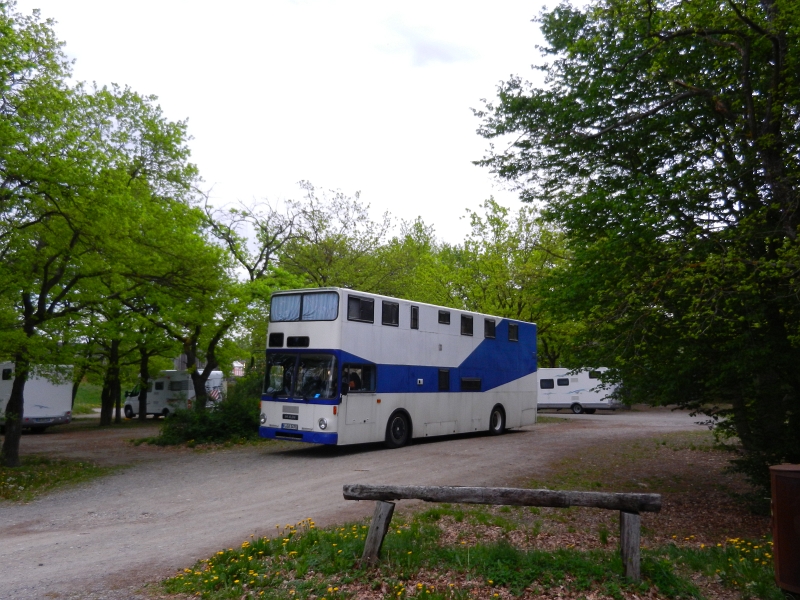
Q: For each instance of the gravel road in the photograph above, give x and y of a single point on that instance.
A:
(109, 538)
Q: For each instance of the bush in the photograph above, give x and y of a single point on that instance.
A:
(235, 418)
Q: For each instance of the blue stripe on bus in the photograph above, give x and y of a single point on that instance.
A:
(495, 361)
(311, 437)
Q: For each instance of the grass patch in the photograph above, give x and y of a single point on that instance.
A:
(302, 561)
(39, 475)
(87, 399)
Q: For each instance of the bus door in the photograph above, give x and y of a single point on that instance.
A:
(360, 403)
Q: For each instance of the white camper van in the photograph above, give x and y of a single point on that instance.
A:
(46, 403)
(579, 392)
(171, 391)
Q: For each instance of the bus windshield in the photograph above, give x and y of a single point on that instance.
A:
(301, 375)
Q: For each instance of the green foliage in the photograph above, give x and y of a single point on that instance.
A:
(666, 145)
(234, 419)
(38, 475)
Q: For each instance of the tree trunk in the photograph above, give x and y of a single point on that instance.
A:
(76, 383)
(111, 386)
(15, 412)
(144, 378)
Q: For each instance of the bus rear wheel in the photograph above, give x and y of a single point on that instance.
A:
(398, 430)
(497, 421)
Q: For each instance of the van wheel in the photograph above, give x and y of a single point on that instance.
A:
(497, 421)
(165, 412)
(577, 409)
(589, 411)
(128, 411)
(398, 430)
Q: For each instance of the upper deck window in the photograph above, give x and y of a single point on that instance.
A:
(466, 325)
(415, 317)
(360, 309)
(310, 306)
(391, 313)
(513, 332)
(444, 317)
(489, 328)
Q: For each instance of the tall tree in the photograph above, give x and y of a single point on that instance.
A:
(77, 166)
(504, 267)
(666, 143)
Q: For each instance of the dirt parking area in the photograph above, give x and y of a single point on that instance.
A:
(170, 507)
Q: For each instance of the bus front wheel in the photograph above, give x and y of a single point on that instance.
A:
(497, 421)
(398, 430)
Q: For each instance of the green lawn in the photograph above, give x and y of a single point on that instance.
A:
(87, 398)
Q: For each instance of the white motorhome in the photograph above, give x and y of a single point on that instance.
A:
(46, 403)
(580, 392)
(173, 390)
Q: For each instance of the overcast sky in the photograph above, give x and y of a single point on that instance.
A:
(357, 96)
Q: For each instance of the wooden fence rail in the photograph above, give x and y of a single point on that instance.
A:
(629, 505)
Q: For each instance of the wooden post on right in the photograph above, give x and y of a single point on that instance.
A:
(381, 519)
(629, 528)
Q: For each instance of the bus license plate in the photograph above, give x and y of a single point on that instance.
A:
(289, 425)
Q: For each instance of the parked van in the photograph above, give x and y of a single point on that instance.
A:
(46, 403)
(579, 392)
(173, 390)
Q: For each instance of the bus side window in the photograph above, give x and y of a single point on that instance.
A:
(390, 313)
(360, 377)
(415, 317)
(489, 327)
(466, 325)
(513, 332)
(360, 309)
(444, 380)
(444, 317)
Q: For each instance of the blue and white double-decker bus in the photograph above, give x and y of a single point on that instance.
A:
(348, 367)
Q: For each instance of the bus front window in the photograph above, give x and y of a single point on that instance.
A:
(316, 376)
(280, 374)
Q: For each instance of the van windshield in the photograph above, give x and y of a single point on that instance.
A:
(304, 376)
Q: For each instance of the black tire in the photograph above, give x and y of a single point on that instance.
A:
(165, 412)
(497, 421)
(577, 409)
(128, 412)
(398, 430)
(590, 411)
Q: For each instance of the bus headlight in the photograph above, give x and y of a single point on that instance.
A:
(323, 423)
(263, 418)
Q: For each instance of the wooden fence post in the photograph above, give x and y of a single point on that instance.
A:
(629, 528)
(381, 519)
